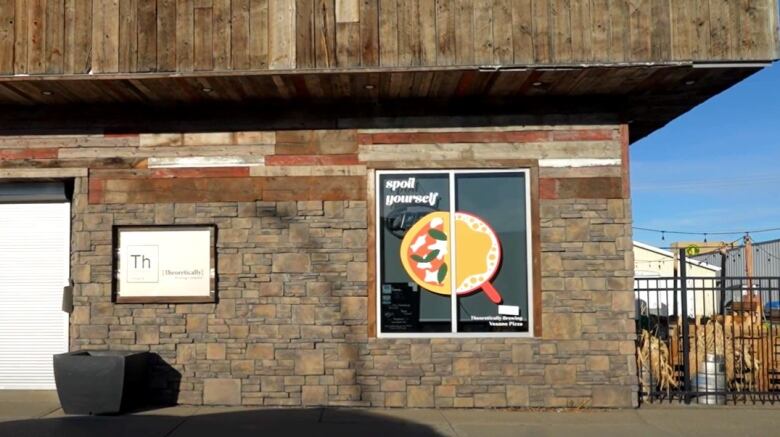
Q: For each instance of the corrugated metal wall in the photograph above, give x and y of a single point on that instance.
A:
(766, 259)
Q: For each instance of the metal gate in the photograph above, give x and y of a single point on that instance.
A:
(712, 340)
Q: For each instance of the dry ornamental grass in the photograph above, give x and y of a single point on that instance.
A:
(742, 366)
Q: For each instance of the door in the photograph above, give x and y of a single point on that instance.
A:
(34, 267)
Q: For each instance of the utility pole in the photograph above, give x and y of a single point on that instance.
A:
(723, 256)
(755, 301)
(749, 262)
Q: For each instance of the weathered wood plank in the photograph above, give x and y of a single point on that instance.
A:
(7, 16)
(502, 32)
(408, 33)
(661, 37)
(497, 150)
(98, 12)
(110, 52)
(147, 35)
(369, 33)
(735, 34)
(55, 36)
(36, 57)
(599, 18)
(541, 31)
(681, 32)
(561, 37)
(464, 38)
(758, 24)
(325, 33)
(347, 11)
(128, 35)
(258, 29)
(203, 52)
(166, 35)
(618, 26)
(427, 11)
(445, 32)
(483, 32)
(21, 19)
(581, 31)
(239, 34)
(304, 34)
(639, 29)
(719, 26)
(701, 29)
(388, 33)
(347, 44)
(221, 34)
(522, 32)
(347, 33)
(281, 40)
(184, 35)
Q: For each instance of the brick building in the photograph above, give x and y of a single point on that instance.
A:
(404, 204)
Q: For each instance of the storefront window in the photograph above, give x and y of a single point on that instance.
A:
(483, 254)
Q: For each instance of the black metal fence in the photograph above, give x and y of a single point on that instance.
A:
(708, 340)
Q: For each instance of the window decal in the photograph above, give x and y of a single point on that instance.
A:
(483, 254)
(426, 259)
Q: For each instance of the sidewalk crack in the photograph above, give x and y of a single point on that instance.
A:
(181, 422)
(449, 423)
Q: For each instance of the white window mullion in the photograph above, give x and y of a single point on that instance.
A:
(453, 257)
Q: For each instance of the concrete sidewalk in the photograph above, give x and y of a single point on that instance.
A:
(38, 414)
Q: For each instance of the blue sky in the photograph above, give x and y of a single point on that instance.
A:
(716, 168)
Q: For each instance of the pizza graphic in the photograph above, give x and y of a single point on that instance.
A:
(426, 254)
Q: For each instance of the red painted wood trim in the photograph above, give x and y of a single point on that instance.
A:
(526, 136)
(37, 153)
(95, 190)
(584, 135)
(199, 172)
(364, 139)
(283, 188)
(461, 137)
(311, 160)
(625, 160)
(548, 188)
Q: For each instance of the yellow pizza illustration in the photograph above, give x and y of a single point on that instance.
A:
(426, 254)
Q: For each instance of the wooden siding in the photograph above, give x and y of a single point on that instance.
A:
(57, 37)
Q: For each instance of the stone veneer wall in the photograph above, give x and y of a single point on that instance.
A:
(291, 324)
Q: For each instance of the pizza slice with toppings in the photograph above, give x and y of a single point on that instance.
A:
(425, 252)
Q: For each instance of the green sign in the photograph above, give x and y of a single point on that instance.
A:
(692, 250)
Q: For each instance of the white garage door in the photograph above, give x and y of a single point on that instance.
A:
(34, 260)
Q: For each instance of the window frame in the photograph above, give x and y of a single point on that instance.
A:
(451, 173)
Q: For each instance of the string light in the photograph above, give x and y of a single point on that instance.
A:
(769, 255)
(663, 232)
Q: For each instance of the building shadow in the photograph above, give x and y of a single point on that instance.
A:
(164, 384)
(261, 422)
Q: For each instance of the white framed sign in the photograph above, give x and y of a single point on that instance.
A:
(164, 264)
